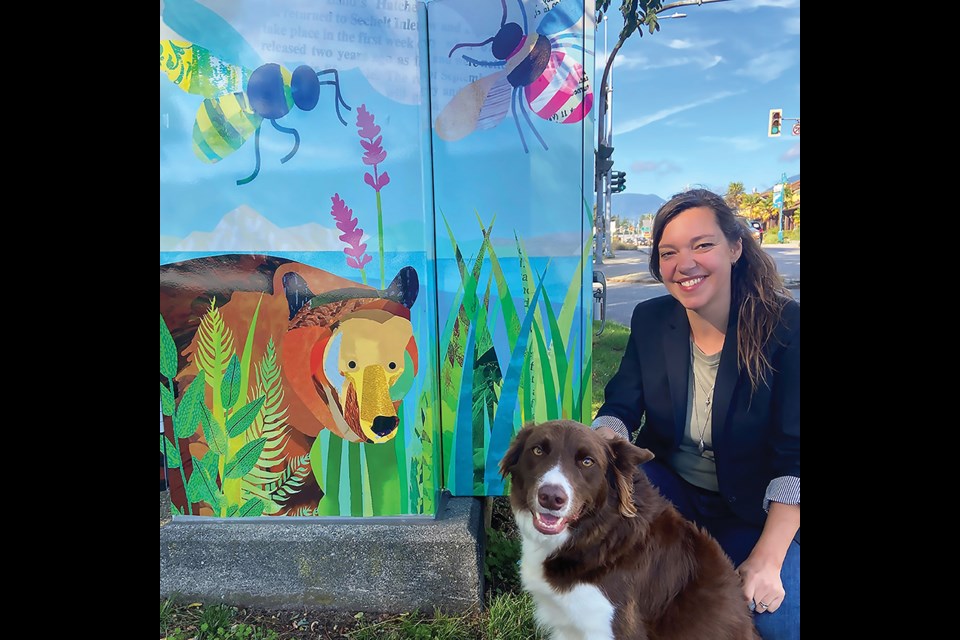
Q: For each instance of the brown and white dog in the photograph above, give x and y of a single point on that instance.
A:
(604, 554)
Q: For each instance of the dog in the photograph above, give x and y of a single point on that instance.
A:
(603, 554)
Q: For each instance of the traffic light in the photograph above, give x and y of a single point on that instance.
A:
(604, 160)
(618, 181)
(773, 129)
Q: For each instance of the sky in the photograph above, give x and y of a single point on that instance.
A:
(691, 102)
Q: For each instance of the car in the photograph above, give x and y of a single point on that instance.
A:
(754, 227)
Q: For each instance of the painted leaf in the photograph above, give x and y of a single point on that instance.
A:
(171, 452)
(213, 432)
(201, 487)
(168, 352)
(243, 417)
(232, 510)
(210, 468)
(188, 413)
(167, 403)
(245, 459)
(174, 510)
(251, 508)
(230, 387)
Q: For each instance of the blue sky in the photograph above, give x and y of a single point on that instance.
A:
(691, 101)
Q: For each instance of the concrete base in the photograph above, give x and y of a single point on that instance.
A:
(347, 564)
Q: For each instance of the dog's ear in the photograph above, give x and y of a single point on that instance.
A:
(512, 456)
(626, 458)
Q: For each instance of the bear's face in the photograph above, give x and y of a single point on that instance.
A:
(371, 357)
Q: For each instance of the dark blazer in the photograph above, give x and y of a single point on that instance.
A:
(756, 437)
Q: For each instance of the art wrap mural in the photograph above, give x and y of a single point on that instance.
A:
(361, 303)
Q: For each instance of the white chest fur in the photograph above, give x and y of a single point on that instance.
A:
(582, 613)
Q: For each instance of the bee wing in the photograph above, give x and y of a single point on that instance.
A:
(222, 125)
(199, 71)
(563, 16)
(482, 104)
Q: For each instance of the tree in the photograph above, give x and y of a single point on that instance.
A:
(734, 195)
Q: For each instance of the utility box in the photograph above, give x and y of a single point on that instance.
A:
(375, 248)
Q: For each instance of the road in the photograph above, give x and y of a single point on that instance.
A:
(637, 285)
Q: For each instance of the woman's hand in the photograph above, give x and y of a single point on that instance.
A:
(760, 572)
(608, 433)
(761, 583)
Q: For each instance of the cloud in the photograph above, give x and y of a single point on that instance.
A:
(642, 63)
(791, 154)
(654, 166)
(769, 66)
(750, 5)
(636, 123)
(792, 26)
(737, 143)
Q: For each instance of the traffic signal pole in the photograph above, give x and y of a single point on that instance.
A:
(602, 177)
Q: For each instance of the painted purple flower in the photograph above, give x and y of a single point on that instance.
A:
(373, 153)
(356, 251)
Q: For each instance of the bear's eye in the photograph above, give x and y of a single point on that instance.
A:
(587, 462)
(352, 364)
(392, 365)
(537, 451)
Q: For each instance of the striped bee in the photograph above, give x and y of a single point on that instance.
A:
(238, 100)
(534, 74)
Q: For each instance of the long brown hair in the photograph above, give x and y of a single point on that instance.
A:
(757, 289)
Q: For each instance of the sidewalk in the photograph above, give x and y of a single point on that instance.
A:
(631, 265)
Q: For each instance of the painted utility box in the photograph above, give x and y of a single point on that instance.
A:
(375, 240)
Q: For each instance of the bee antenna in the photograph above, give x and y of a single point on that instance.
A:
(471, 44)
(503, 20)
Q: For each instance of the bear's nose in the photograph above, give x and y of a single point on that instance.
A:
(552, 496)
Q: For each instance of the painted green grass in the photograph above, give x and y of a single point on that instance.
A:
(487, 395)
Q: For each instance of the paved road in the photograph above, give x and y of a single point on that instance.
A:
(629, 280)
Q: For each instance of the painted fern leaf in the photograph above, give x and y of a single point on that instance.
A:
(215, 345)
(291, 479)
(270, 422)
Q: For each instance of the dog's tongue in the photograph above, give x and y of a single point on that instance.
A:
(549, 524)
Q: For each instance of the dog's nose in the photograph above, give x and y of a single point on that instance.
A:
(552, 496)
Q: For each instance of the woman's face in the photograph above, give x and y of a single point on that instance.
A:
(696, 260)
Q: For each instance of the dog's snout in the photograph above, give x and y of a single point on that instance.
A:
(552, 496)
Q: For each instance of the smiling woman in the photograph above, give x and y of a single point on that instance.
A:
(712, 373)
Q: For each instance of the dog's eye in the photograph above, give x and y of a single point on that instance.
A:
(587, 462)
(537, 451)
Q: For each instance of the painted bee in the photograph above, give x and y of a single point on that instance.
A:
(552, 82)
(237, 100)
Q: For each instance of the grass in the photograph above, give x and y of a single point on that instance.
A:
(508, 614)
(608, 350)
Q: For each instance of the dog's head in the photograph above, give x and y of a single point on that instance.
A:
(561, 470)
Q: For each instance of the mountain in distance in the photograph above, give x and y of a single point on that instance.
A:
(634, 205)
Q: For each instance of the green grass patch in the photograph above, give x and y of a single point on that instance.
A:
(608, 350)
(414, 626)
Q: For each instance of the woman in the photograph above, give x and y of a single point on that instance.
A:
(712, 374)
